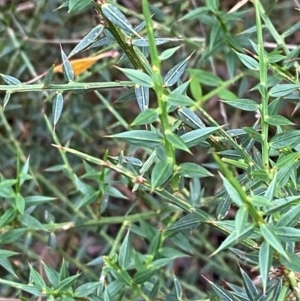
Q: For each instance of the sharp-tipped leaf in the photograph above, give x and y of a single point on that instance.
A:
(146, 117)
(175, 73)
(190, 118)
(271, 238)
(78, 4)
(139, 137)
(115, 16)
(195, 137)
(193, 170)
(87, 40)
(142, 97)
(66, 67)
(243, 104)
(285, 139)
(10, 80)
(138, 77)
(57, 108)
(248, 61)
(281, 90)
(161, 172)
(265, 259)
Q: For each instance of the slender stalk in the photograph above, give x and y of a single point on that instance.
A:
(64, 87)
(263, 70)
(158, 87)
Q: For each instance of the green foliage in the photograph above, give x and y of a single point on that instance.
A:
(139, 189)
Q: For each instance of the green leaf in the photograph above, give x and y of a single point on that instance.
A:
(161, 172)
(181, 241)
(275, 57)
(288, 234)
(223, 207)
(271, 238)
(292, 263)
(193, 170)
(195, 137)
(241, 219)
(179, 100)
(234, 195)
(278, 120)
(178, 289)
(141, 277)
(248, 61)
(168, 53)
(171, 253)
(88, 199)
(57, 107)
(139, 137)
(48, 76)
(125, 253)
(205, 78)
(7, 217)
(86, 289)
(126, 159)
(146, 117)
(36, 278)
(7, 253)
(223, 294)
(78, 4)
(88, 39)
(31, 222)
(67, 283)
(250, 288)
(142, 97)
(5, 263)
(253, 134)
(10, 80)
(176, 141)
(213, 5)
(159, 263)
(281, 90)
(195, 88)
(52, 275)
(127, 95)
(115, 16)
(138, 77)
(175, 73)
(32, 289)
(190, 118)
(154, 291)
(265, 256)
(12, 235)
(144, 42)
(243, 104)
(104, 41)
(281, 203)
(155, 244)
(270, 192)
(289, 218)
(6, 99)
(285, 139)
(66, 67)
(20, 203)
(289, 159)
(186, 223)
(235, 237)
(35, 200)
(195, 13)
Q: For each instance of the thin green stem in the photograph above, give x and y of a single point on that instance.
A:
(72, 86)
(159, 89)
(263, 77)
